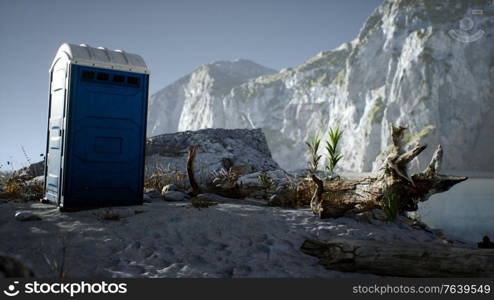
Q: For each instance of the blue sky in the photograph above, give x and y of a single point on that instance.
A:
(174, 37)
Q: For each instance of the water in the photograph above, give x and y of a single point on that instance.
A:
(466, 211)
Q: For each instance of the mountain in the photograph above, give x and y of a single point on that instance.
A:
(175, 107)
(406, 66)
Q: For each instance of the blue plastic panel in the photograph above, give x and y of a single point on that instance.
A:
(104, 159)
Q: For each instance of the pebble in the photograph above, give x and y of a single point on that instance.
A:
(26, 216)
(175, 196)
(169, 188)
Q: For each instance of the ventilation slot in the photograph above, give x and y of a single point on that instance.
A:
(133, 81)
(118, 78)
(103, 76)
(87, 75)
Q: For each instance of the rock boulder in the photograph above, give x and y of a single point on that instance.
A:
(245, 150)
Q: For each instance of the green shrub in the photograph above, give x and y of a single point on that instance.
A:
(313, 144)
(334, 156)
(267, 182)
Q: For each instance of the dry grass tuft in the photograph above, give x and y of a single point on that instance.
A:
(161, 177)
(16, 188)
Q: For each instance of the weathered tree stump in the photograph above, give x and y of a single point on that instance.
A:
(338, 198)
(402, 258)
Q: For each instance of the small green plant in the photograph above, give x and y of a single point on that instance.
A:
(313, 144)
(268, 182)
(265, 179)
(390, 204)
(334, 137)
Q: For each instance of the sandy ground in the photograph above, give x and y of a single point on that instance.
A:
(163, 239)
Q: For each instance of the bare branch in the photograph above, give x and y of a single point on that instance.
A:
(190, 171)
(435, 164)
(407, 157)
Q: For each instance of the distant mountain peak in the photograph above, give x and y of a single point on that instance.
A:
(239, 68)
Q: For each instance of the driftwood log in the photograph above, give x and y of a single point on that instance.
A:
(402, 259)
(333, 199)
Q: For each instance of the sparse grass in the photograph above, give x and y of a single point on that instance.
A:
(224, 176)
(18, 184)
(165, 176)
(313, 144)
(16, 188)
(266, 179)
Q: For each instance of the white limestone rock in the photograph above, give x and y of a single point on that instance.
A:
(217, 149)
(24, 216)
(404, 68)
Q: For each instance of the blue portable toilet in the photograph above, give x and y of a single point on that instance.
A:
(96, 127)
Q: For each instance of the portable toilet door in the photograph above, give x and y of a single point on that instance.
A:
(96, 127)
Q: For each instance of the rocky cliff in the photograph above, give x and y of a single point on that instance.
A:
(406, 66)
(193, 101)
